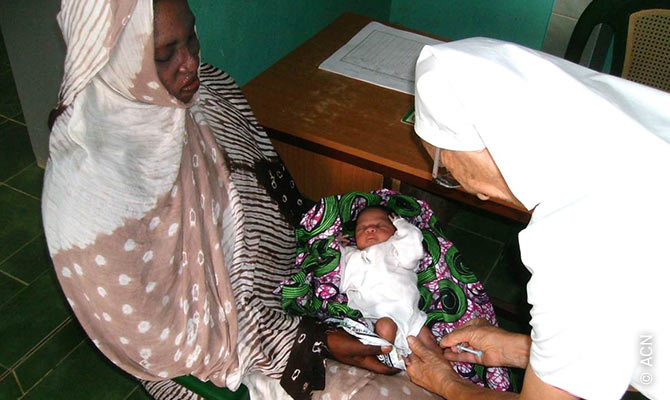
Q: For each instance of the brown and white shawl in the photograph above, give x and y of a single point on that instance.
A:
(164, 242)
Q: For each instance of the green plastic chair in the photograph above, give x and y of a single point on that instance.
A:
(641, 29)
(210, 391)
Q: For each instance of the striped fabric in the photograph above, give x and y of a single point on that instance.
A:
(168, 390)
(265, 331)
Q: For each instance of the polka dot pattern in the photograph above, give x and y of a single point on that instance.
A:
(143, 326)
(129, 245)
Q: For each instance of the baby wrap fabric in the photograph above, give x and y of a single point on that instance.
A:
(450, 292)
(150, 209)
(380, 281)
(590, 153)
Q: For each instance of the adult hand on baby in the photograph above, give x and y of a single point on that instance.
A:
(499, 347)
(347, 349)
(428, 368)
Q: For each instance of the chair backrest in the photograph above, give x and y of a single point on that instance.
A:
(641, 31)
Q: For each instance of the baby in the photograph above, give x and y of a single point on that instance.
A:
(379, 277)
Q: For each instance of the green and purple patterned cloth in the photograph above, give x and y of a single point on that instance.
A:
(450, 292)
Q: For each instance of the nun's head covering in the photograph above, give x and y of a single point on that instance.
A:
(552, 127)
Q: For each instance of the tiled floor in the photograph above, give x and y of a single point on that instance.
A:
(44, 354)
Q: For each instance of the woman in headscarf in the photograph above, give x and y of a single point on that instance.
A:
(151, 226)
(169, 216)
(589, 153)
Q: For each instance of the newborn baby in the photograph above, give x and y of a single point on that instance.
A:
(379, 276)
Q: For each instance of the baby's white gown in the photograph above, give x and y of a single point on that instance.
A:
(380, 281)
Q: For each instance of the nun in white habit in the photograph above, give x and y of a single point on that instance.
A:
(589, 154)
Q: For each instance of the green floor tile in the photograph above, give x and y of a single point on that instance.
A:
(139, 394)
(28, 181)
(9, 389)
(20, 220)
(18, 117)
(485, 224)
(85, 374)
(9, 287)
(30, 316)
(479, 253)
(29, 262)
(49, 354)
(17, 153)
(9, 98)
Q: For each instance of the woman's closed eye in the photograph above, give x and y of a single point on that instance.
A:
(163, 58)
(165, 53)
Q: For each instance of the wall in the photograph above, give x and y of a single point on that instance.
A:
(36, 52)
(521, 21)
(246, 37)
(562, 22)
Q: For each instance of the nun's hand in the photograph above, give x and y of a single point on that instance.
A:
(428, 368)
(499, 347)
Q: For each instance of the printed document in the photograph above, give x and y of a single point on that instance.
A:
(380, 55)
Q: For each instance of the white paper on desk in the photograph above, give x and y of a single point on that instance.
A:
(380, 55)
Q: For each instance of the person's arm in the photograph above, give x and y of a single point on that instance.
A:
(430, 370)
(348, 350)
(305, 368)
(535, 388)
(499, 347)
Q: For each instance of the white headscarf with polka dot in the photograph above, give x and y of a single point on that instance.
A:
(137, 204)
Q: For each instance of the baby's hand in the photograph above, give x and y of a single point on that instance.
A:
(343, 240)
(394, 217)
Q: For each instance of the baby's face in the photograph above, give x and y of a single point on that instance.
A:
(373, 226)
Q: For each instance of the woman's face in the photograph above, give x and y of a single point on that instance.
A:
(176, 48)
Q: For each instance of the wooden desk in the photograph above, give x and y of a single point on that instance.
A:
(338, 134)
